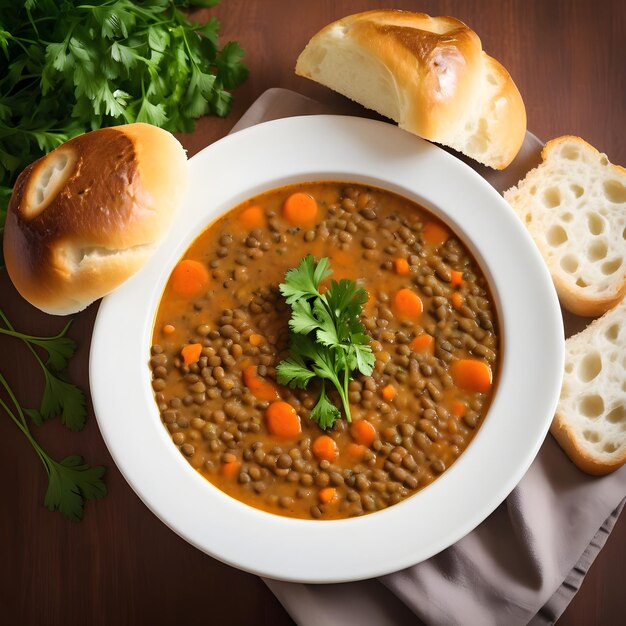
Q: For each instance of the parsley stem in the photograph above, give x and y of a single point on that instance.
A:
(21, 421)
(11, 332)
(40, 453)
(344, 395)
(10, 327)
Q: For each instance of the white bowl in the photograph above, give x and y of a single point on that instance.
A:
(352, 150)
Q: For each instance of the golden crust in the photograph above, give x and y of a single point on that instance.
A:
(590, 307)
(567, 439)
(555, 143)
(509, 129)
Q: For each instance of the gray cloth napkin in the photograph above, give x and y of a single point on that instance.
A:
(525, 562)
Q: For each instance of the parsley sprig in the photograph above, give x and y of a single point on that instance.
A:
(70, 481)
(59, 397)
(328, 340)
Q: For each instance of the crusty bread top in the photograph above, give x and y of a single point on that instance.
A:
(590, 422)
(574, 206)
(85, 217)
(427, 73)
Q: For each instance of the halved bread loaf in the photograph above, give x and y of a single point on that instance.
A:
(574, 206)
(590, 422)
(429, 74)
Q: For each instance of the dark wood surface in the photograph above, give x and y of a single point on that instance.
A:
(121, 565)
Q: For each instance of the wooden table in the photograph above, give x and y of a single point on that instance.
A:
(121, 565)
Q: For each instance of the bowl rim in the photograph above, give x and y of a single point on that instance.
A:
(346, 149)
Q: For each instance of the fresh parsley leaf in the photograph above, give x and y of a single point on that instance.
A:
(345, 297)
(365, 358)
(151, 113)
(60, 397)
(328, 340)
(294, 373)
(302, 319)
(325, 412)
(65, 399)
(60, 350)
(327, 334)
(229, 63)
(70, 483)
(303, 281)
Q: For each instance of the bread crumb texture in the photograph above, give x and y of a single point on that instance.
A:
(590, 422)
(574, 206)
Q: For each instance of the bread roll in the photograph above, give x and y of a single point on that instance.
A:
(590, 421)
(574, 206)
(429, 74)
(88, 215)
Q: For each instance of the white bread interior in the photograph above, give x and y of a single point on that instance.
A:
(429, 74)
(590, 422)
(48, 180)
(574, 206)
(87, 216)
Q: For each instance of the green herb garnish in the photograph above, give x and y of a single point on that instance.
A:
(328, 340)
(59, 397)
(70, 66)
(70, 481)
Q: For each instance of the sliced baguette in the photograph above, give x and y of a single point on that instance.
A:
(574, 206)
(590, 421)
(429, 74)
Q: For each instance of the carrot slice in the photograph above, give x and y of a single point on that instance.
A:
(282, 420)
(402, 267)
(363, 432)
(471, 375)
(328, 494)
(407, 303)
(324, 448)
(230, 469)
(423, 343)
(457, 300)
(252, 217)
(189, 278)
(255, 340)
(191, 353)
(458, 409)
(434, 234)
(389, 392)
(456, 279)
(300, 209)
(355, 451)
(261, 388)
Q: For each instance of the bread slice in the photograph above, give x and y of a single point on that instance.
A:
(574, 206)
(429, 74)
(590, 421)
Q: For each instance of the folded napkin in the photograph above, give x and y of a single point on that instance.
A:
(524, 563)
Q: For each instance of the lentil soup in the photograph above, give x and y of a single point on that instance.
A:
(222, 328)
